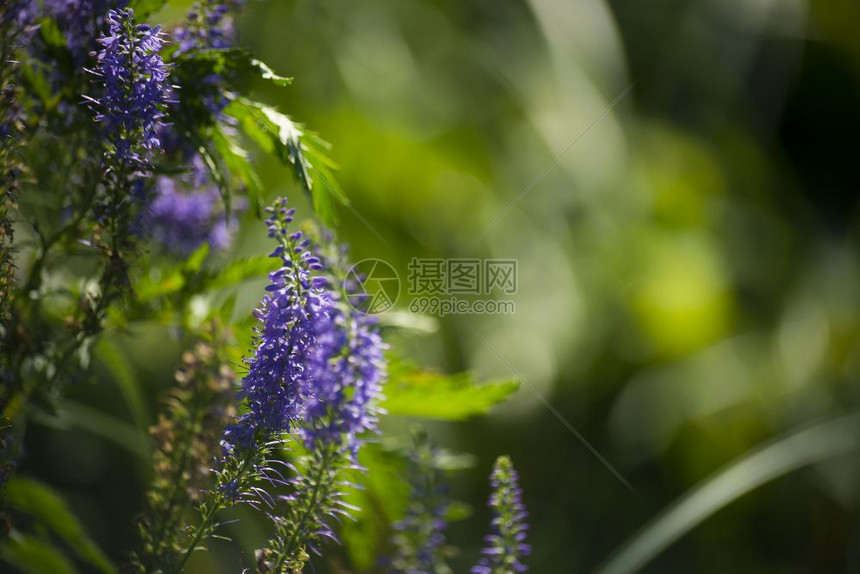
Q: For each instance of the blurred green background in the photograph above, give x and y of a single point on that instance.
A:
(678, 182)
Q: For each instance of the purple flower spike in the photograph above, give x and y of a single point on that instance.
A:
(135, 90)
(506, 545)
(348, 369)
(293, 313)
(80, 22)
(209, 26)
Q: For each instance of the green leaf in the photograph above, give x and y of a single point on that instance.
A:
(235, 162)
(228, 62)
(416, 393)
(36, 81)
(274, 132)
(44, 504)
(381, 500)
(458, 511)
(51, 33)
(152, 287)
(268, 74)
(324, 184)
(143, 8)
(226, 309)
(239, 270)
(776, 458)
(216, 164)
(34, 556)
(123, 375)
(195, 261)
(106, 426)
(149, 288)
(305, 153)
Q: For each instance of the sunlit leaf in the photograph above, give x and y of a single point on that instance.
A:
(229, 62)
(413, 392)
(304, 152)
(51, 33)
(234, 162)
(268, 74)
(149, 288)
(195, 260)
(239, 270)
(181, 276)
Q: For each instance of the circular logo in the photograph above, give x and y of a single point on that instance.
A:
(371, 286)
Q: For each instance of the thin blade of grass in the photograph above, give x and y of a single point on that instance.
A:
(774, 459)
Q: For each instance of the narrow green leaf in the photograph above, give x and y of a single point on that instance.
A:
(123, 375)
(45, 505)
(237, 164)
(324, 184)
(227, 308)
(51, 34)
(35, 80)
(34, 556)
(416, 393)
(195, 260)
(216, 164)
(106, 426)
(768, 462)
(182, 276)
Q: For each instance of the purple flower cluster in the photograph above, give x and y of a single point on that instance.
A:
(292, 314)
(506, 545)
(348, 368)
(18, 15)
(345, 369)
(186, 212)
(317, 364)
(316, 358)
(209, 26)
(80, 21)
(134, 78)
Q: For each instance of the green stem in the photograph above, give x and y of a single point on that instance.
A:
(293, 544)
(205, 524)
(217, 504)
